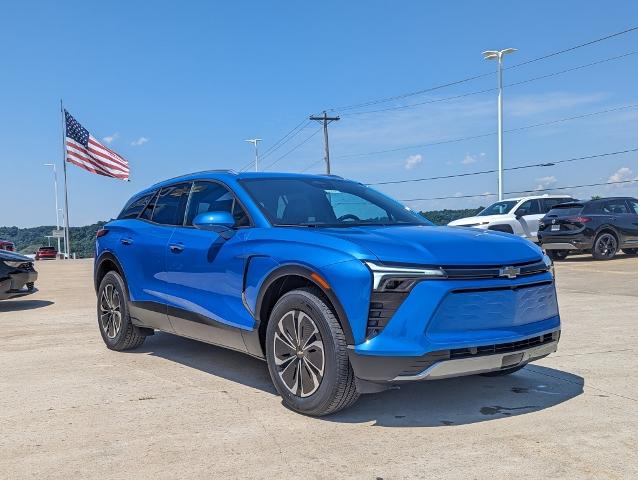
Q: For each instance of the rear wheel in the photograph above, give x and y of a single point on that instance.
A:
(113, 317)
(605, 246)
(307, 356)
(557, 254)
(630, 251)
(500, 373)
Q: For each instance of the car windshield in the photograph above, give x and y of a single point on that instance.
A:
(326, 202)
(498, 208)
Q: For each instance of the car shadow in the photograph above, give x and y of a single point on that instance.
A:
(457, 401)
(18, 305)
(221, 362)
(465, 400)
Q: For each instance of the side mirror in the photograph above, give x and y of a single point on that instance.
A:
(521, 212)
(218, 222)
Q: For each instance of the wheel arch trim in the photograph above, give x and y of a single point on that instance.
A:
(307, 273)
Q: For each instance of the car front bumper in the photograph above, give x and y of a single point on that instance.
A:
(18, 284)
(454, 362)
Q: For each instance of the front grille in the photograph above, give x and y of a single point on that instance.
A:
(504, 347)
(467, 273)
(28, 266)
(382, 307)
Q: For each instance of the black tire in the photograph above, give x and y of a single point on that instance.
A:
(112, 298)
(630, 251)
(605, 246)
(557, 254)
(312, 390)
(500, 373)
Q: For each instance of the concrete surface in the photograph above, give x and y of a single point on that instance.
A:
(175, 408)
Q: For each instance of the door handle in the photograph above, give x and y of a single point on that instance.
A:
(176, 247)
(126, 241)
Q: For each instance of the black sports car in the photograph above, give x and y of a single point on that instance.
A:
(600, 227)
(17, 275)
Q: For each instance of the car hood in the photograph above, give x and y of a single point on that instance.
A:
(13, 257)
(429, 245)
(476, 220)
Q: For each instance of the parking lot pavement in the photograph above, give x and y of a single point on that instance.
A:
(175, 408)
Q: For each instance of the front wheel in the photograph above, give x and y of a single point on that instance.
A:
(113, 317)
(307, 356)
(557, 254)
(605, 246)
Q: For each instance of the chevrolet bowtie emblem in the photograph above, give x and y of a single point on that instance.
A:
(509, 272)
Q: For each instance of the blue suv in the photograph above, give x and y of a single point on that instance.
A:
(340, 289)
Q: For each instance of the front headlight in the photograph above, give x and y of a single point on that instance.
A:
(16, 264)
(549, 263)
(397, 278)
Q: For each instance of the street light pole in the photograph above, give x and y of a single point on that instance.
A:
(57, 210)
(498, 55)
(255, 141)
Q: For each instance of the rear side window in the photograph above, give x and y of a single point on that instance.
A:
(214, 197)
(634, 205)
(171, 204)
(135, 206)
(615, 207)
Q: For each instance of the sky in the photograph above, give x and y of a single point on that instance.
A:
(176, 87)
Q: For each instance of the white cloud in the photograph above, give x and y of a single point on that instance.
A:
(469, 159)
(622, 175)
(545, 182)
(110, 138)
(140, 141)
(412, 161)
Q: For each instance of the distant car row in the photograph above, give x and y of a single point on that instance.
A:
(563, 225)
(43, 253)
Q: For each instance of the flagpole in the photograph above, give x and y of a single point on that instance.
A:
(66, 192)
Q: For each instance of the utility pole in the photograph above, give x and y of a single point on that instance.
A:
(498, 55)
(326, 120)
(255, 141)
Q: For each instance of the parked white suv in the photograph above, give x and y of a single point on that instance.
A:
(519, 216)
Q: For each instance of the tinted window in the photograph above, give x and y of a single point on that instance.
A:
(549, 203)
(634, 205)
(135, 206)
(615, 207)
(171, 204)
(147, 213)
(214, 197)
(499, 208)
(531, 207)
(567, 210)
(326, 202)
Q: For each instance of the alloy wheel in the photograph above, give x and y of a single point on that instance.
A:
(299, 353)
(607, 245)
(110, 311)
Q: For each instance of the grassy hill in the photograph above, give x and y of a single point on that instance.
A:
(27, 240)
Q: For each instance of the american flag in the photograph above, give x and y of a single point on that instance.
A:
(83, 150)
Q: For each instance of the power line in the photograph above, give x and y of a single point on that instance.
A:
(294, 148)
(286, 138)
(281, 142)
(522, 191)
(473, 137)
(487, 90)
(575, 47)
(475, 77)
(520, 167)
